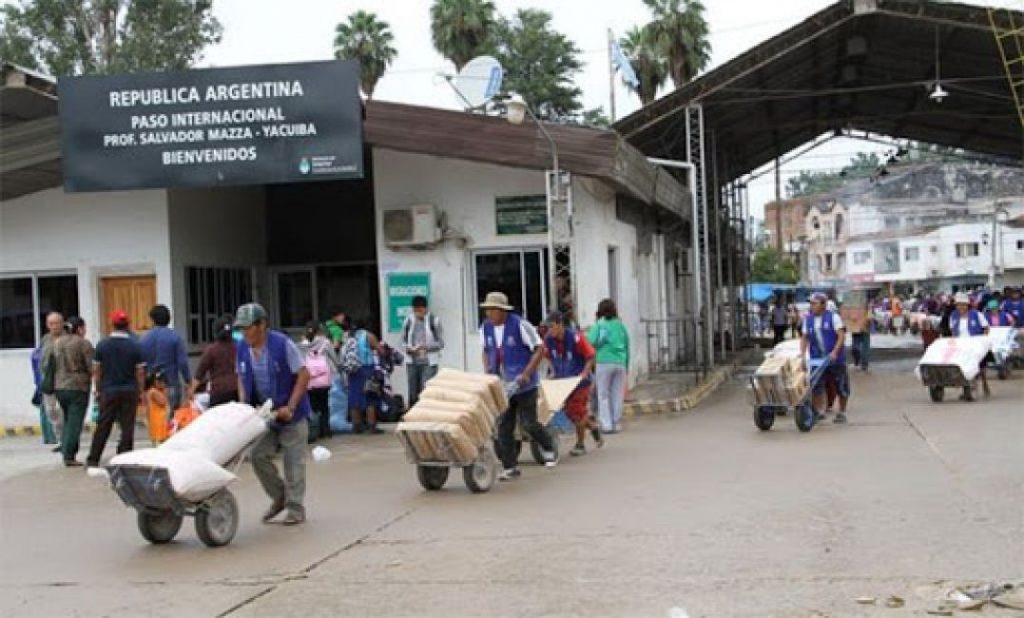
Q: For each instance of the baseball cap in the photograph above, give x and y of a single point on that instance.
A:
(119, 318)
(248, 314)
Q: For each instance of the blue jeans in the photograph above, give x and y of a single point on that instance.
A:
(611, 391)
(861, 349)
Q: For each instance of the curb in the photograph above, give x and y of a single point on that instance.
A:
(687, 401)
(14, 431)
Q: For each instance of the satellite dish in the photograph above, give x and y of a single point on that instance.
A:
(479, 81)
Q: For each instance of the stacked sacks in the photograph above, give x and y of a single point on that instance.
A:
(780, 380)
(456, 414)
(194, 455)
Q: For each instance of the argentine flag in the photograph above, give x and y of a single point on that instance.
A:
(621, 64)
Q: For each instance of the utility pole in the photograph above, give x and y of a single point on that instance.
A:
(778, 207)
(611, 76)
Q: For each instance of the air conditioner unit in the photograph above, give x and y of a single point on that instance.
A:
(934, 272)
(415, 225)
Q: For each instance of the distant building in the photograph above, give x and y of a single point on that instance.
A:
(927, 225)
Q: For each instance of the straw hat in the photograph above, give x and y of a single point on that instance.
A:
(496, 300)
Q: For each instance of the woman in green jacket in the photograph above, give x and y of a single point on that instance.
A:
(611, 340)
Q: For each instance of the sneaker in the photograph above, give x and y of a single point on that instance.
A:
(375, 430)
(55, 449)
(72, 463)
(293, 518)
(550, 458)
(818, 417)
(509, 474)
(358, 429)
(840, 418)
(275, 509)
(578, 450)
(598, 438)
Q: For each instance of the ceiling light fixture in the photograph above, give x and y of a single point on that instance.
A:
(938, 92)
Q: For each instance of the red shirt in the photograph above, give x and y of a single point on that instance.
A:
(583, 349)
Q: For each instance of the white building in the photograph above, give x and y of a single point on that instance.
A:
(962, 254)
(301, 249)
(824, 243)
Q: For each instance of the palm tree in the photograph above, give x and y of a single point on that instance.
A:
(368, 40)
(641, 48)
(461, 29)
(682, 32)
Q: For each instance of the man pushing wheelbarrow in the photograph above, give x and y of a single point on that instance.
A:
(825, 337)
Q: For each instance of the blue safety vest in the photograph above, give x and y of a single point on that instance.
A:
(281, 376)
(974, 326)
(829, 336)
(515, 355)
(567, 363)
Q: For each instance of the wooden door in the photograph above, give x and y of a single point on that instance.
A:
(133, 295)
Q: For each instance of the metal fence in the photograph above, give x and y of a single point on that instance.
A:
(673, 345)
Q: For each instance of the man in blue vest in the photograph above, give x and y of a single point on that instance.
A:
(270, 366)
(825, 336)
(966, 321)
(570, 356)
(513, 350)
(1014, 305)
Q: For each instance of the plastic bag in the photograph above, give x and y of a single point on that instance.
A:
(338, 405)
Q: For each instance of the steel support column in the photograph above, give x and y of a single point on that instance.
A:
(696, 156)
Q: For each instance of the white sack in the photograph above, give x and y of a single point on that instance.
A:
(193, 477)
(789, 348)
(221, 432)
(1003, 339)
(964, 352)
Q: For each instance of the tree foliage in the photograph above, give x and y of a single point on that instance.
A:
(71, 37)
(462, 29)
(862, 165)
(540, 64)
(640, 46)
(771, 266)
(681, 32)
(595, 118)
(368, 40)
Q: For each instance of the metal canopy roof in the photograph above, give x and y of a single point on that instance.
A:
(858, 64)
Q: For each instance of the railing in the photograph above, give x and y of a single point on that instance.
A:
(674, 345)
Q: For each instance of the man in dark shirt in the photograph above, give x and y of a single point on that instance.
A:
(119, 374)
(164, 349)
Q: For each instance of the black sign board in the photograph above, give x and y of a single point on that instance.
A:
(212, 127)
(521, 214)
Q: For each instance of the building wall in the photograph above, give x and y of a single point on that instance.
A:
(465, 192)
(91, 234)
(794, 215)
(221, 227)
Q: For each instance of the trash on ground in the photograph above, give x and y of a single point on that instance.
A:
(320, 454)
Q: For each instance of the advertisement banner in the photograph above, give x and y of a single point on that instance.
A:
(402, 288)
(212, 127)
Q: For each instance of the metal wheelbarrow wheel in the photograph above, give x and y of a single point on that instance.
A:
(432, 478)
(481, 474)
(217, 519)
(803, 415)
(159, 527)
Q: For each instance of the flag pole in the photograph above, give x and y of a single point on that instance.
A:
(611, 76)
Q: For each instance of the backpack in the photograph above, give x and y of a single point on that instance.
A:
(319, 369)
(350, 362)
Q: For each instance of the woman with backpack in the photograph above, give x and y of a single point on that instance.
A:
(322, 364)
(217, 365)
(359, 360)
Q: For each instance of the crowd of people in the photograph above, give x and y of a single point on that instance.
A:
(148, 377)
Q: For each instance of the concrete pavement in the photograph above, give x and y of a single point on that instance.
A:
(698, 511)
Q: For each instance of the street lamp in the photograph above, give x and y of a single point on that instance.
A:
(516, 112)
